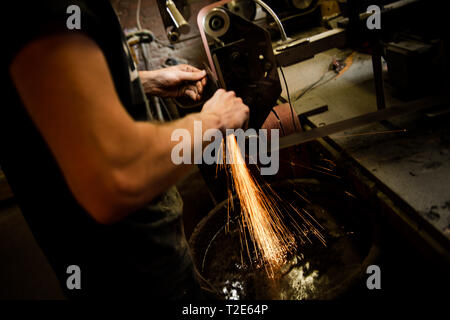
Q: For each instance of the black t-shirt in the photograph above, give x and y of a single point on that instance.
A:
(143, 255)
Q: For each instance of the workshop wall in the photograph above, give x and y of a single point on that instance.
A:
(188, 50)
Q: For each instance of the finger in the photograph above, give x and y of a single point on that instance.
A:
(247, 111)
(246, 114)
(199, 87)
(191, 76)
(219, 92)
(191, 94)
(190, 68)
(217, 95)
(204, 80)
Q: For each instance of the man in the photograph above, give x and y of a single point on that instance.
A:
(94, 178)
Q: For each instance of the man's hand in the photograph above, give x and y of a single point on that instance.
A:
(177, 81)
(231, 111)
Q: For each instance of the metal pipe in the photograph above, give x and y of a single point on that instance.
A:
(269, 10)
(389, 7)
(177, 18)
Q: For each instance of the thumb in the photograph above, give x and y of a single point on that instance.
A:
(192, 76)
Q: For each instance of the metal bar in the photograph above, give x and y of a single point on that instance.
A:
(306, 136)
(269, 10)
(387, 8)
(313, 112)
(306, 48)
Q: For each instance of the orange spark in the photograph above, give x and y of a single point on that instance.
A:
(262, 216)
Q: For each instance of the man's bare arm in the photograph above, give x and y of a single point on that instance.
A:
(112, 164)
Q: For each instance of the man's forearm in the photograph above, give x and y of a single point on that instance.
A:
(152, 170)
(149, 82)
(112, 164)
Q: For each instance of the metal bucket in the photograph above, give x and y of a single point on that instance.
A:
(314, 271)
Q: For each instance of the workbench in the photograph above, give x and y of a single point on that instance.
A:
(406, 157)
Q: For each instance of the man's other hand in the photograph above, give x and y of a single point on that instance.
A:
(177, 81)
(231, 110)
